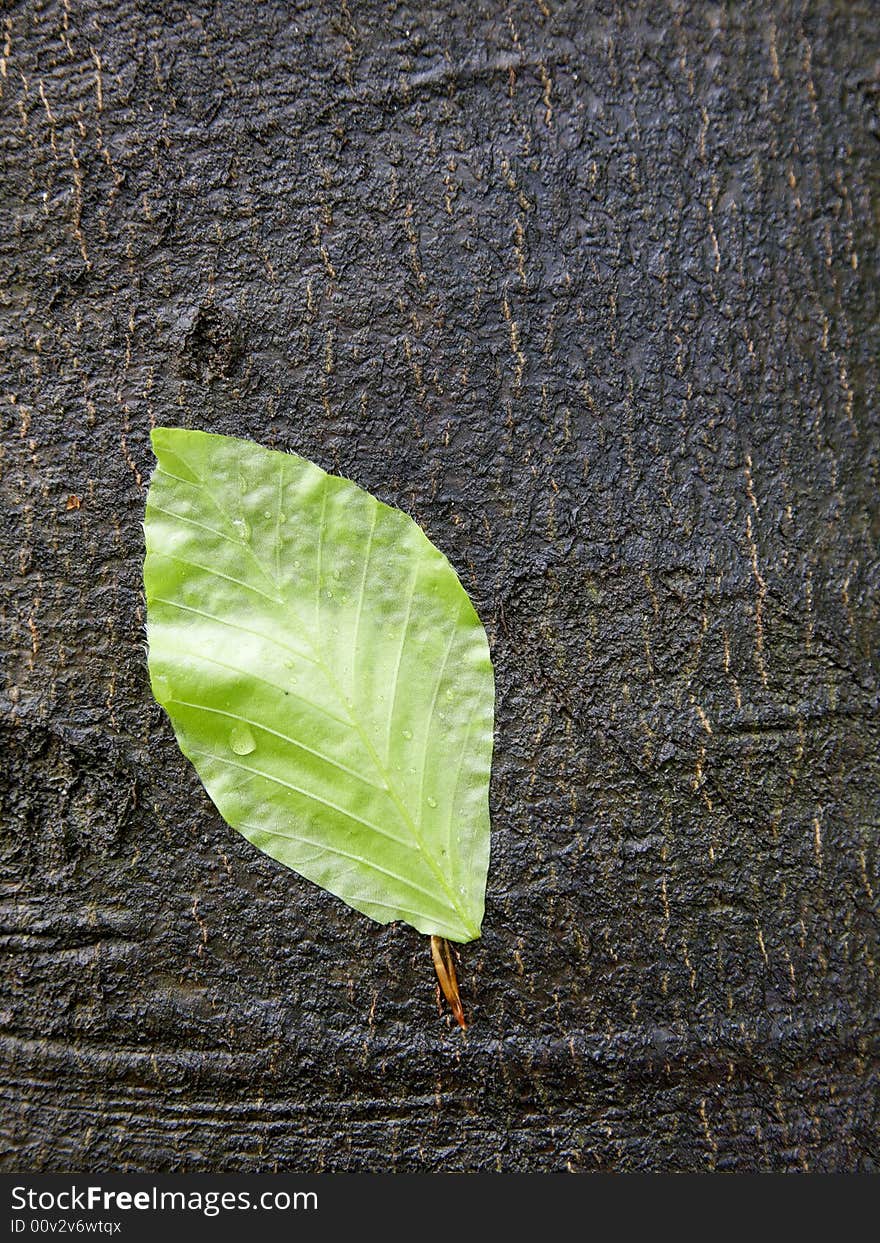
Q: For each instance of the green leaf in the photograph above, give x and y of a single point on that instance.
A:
(327, 675)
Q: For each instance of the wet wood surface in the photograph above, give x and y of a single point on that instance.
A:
(591, 292)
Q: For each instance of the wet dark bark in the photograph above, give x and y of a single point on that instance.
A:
(591, 291)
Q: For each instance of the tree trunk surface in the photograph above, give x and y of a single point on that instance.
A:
(591, 291)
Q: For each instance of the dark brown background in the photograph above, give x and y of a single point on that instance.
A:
(591, 291)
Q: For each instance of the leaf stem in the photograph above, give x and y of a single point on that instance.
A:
(444, 965)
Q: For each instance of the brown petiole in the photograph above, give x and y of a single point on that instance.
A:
(444, 965)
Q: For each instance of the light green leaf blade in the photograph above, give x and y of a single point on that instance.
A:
(326, 674)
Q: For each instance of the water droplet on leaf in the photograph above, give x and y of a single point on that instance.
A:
(407, 733)
(242, 740)
(432, 802)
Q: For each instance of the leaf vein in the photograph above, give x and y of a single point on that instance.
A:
(315, 798)
(278, 519)
(318, 558)
(396, 679)
(236, 625)
(345, 854)
(201, 486)
(360, 603)
(235, 716)
(433, 709)
(207, 569)
(222, 664)
(458, 770)
(158, 509)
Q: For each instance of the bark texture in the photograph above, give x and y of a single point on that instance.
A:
(591, 291)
